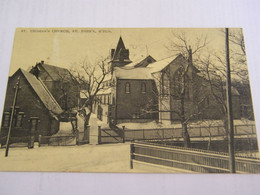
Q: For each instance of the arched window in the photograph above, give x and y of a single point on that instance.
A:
(165, 84)
(179, 83)
(143, 88)
(127, 88)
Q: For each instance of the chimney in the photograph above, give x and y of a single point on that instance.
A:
(42, 62)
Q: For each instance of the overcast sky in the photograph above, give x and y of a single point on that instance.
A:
(65, 46)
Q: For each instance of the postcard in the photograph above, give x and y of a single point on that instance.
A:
(129, 100)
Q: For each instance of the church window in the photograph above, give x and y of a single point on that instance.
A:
(6, 118)
(143, 88)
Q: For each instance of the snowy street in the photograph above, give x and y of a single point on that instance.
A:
(84, 158)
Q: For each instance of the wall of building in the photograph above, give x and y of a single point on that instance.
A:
(65, 92)
(29, 103)
(135, 104)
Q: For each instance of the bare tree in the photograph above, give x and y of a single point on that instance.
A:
(184, 80)
(90, 77)
(214, 70)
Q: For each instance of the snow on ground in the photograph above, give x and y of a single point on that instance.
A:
(84, 158)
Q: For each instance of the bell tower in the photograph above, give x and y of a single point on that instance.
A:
(120, 55)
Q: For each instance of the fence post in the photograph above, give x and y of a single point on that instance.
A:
(99, 134)
(40, 139)
(77, 137)
(30, 142)
(131, 155)
(123, 132)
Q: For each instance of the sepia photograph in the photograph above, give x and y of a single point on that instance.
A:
(129, 100)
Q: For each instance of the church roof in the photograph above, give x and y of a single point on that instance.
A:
(160, 65)
(42, 92)
(134, 73)
(55, 72)
(142, 62)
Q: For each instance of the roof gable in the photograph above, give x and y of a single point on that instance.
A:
(56, 73)
(42, 92)
(144, 62)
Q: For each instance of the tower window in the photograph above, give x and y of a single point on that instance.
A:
(127, 88)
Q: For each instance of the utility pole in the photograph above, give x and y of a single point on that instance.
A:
(17, 85)
(229, 110)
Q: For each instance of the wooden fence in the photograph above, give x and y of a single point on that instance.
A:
(107, 135)
(111, 136)
(78, 138)
(23, 141)
(189, 159)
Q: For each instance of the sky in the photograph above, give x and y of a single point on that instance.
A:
(65, 47)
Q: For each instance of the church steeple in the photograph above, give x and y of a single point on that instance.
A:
(120, 55)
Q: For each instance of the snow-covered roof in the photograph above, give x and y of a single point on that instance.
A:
(82, 94)
(159, 65)
(104, 91)
(43, 93)
(108, 77)
(134, 73)
(143, 62)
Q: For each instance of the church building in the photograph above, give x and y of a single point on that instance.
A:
(149, 90)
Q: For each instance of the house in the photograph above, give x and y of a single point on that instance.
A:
(149, 90)
(59, 82)
(36, 110)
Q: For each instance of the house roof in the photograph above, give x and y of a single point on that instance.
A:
(55, 72)
(43, 93)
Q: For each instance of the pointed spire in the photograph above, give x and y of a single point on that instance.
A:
(120, 55)
(120, 44)
(119, 49)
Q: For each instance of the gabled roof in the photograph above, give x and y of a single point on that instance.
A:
(142, 62)
(160, 65)
(42, 92)
(55, 72)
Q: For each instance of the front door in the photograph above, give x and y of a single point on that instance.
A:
(33, 131)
